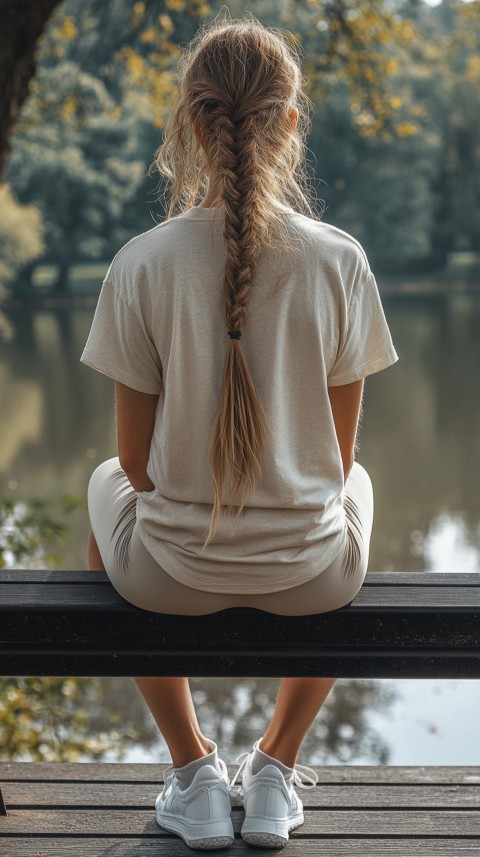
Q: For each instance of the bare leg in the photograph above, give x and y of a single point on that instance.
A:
(298, 703)
(169, 700)
(171, 704)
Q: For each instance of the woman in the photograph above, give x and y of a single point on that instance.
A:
(238, 333)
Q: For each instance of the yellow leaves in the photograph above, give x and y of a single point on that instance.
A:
(149, 36)
(69, 107)
(67, 29)
(472, 71)
(134, 62)
(153, 77)
(391, 66)
(406, 129)
(138, 14)
(470, 12)
(175, 5)
(166, 24)
(200, 8)
(46, 719)
(406, 31)
(395, 102)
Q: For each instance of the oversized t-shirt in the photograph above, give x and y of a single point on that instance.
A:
(314, 320)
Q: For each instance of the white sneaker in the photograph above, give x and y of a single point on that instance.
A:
(272, 806)
(200, 814)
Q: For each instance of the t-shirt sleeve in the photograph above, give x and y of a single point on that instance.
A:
(367, 345)
(120, 346)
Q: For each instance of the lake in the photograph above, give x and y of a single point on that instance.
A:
(420, 442)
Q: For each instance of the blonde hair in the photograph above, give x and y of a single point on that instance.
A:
(236, 115)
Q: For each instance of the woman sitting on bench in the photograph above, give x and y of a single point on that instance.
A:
(238, 333)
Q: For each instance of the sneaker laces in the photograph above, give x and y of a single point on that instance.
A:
(302, 776)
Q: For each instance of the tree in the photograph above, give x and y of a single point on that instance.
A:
(23, 22)
(73, 158)
(340, 31)
(21, 235)
(462, 131)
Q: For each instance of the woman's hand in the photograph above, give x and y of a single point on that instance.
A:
(135, 414)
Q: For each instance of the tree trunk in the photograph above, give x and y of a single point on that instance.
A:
(24, 279)
(23, 22)
(62, 282)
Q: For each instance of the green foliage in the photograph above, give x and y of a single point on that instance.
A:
(33, 533)
(72, 157)
(395, 89)
(21, 235)
(48, 719)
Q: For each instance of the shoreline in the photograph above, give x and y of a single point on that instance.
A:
(395, 287)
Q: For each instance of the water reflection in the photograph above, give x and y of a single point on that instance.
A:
(420, 438)
(234, 713)
(420, 441)
(451, 544)
(237, 713)
(421, 432)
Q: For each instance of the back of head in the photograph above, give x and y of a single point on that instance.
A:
(237, 132)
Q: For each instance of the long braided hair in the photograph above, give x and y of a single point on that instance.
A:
(241, 119)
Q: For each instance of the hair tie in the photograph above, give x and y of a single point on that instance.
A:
(234, 334)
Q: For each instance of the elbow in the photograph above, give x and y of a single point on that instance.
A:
(135, 470)
(131, 464)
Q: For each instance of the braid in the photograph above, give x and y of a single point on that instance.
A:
(240, 425)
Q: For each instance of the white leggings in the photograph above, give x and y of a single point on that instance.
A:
(140, 580)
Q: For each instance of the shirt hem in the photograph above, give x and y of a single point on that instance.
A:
(376, 365)
(116, 374)
(305, 572)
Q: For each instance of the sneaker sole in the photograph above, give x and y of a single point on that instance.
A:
(263, 833)
(223, 837)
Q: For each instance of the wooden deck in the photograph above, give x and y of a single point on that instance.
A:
(106, 810)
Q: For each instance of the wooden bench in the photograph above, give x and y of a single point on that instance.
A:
(399, 626)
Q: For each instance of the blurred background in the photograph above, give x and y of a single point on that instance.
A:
(394, 156)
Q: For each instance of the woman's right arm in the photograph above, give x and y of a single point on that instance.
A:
(346, 404)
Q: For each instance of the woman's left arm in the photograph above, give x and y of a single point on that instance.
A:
(135, 413)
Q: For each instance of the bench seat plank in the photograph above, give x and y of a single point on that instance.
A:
(399, 625)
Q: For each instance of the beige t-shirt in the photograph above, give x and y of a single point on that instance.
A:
(314, 320)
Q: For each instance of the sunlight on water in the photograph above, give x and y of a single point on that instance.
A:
(450, 546)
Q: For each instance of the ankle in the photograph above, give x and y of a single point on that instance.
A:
(196, 748)
(279, 751)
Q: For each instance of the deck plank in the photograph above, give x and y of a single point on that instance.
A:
(106, 810)
(368, 822)
(112, 772)
(142, 796)
(114, 847)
